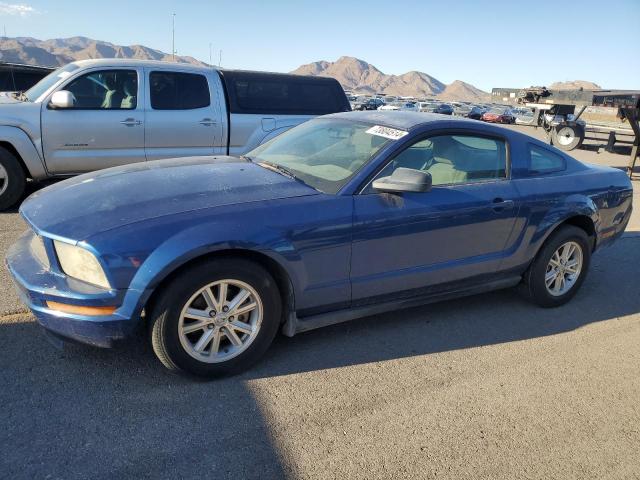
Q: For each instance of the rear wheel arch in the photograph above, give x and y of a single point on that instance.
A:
(275, 269)
(581, 221)
(585, 223)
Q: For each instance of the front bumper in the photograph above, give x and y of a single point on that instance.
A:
(36, 285)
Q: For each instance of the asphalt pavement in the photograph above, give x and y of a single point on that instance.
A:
(485, 387)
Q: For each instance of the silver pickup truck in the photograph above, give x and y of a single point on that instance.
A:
(94, 114)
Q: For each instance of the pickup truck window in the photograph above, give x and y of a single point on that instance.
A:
(178, 91)
(105, 90)
(281, 94)
(35, 92)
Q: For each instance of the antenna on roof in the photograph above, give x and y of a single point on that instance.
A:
(220, 59)
(13, 78)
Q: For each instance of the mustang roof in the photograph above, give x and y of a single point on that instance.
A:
(397, 119)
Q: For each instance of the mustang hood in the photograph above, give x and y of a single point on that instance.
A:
(92, 203)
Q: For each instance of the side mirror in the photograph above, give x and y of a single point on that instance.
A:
(62, 99)
(404, 180)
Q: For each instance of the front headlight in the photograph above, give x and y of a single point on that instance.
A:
(81, 264)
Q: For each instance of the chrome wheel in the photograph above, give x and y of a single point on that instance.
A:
(220, 321)
(4, 179)
(563, 270)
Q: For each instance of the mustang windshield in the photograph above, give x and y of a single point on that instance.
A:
(323, 153)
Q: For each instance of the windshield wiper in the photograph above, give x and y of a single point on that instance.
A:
(279, 168)
(283, 171)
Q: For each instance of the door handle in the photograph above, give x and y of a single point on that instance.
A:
(500, 204)
(207, 122)
(130, 122)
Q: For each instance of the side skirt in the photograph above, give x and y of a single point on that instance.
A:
(295, 325)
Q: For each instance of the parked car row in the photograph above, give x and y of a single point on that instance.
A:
(486, 112)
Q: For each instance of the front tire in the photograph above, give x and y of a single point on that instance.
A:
(215, 319)
(12, 179)
(559, 268)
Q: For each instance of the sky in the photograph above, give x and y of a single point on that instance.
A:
(485, 43)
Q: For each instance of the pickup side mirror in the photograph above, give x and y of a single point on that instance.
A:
(404, 180)
(62, 99)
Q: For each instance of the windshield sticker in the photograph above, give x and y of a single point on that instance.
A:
(387, 132)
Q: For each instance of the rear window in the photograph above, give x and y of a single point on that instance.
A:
(17, 80)
(264, 93)
(544, 161)
(178, 91)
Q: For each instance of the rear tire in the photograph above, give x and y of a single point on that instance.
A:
(551, 281)
(12, 179)
(235, 340)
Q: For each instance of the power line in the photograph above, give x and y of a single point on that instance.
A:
(173, 37)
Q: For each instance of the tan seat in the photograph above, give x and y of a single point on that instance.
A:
(112, 98)
(129, 100)
(443, 169)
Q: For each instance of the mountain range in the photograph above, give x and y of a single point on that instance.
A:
(354, 74)
(361, 77)
(60, 51)
(575, 85)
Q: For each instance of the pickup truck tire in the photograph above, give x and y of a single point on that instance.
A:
(559, 268)
(198, 329)
(12, 179)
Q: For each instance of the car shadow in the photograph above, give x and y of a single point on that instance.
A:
(84, 412)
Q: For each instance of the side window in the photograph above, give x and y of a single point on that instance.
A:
(454, 159)
(178, 91)
(105, 90)
(275, 94)
(544, 161)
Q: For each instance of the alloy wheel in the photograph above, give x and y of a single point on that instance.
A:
(220, 321)
(563, 269)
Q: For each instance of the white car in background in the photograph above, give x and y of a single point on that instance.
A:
(404, 106)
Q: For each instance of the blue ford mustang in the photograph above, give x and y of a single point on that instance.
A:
(344, 216)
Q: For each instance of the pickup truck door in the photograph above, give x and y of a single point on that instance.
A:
(184, 114)
(104, 128)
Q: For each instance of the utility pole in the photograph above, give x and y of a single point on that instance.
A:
(173, 37)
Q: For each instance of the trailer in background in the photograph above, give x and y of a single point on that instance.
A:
(555, 111)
